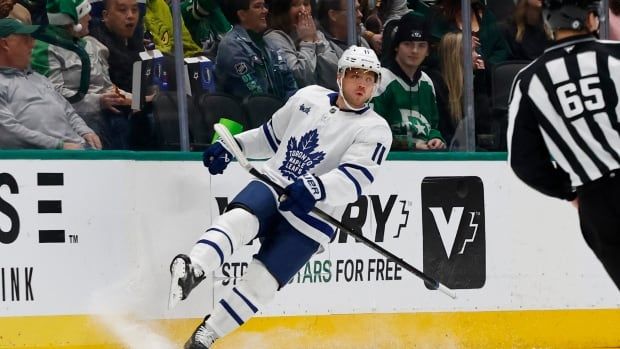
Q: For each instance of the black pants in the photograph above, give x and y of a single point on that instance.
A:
(599, 215)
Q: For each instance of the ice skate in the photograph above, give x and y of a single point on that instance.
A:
(183, 279)
(202, 338)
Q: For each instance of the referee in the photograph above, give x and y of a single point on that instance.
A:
(564, 125)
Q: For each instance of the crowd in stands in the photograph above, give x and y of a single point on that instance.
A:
(66, 66)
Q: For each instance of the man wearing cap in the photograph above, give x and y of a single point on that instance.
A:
(32, 113)
(406, 95)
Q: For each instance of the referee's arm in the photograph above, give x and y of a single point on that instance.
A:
(528, 154)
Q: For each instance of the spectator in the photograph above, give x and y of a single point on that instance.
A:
(332, 17)
(82, 66)
(406, 95)
(526, 33)
(117, 31)
(451, 63)
(306, 51)
(32, 113)
(333, 23)
(245, 63)
(96, 14)
(486, 36)
(158, 23)
(206, 23)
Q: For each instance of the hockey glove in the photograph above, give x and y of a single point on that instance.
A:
(216, 158)
(301, 195)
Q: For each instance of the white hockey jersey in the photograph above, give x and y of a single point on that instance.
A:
(310, 134)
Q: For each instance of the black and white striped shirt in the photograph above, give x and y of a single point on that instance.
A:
(563, 127)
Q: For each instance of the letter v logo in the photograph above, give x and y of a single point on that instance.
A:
(448, 227)
(447, 204)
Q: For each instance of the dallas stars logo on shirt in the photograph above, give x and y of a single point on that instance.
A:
(419, 127)
(301, 156)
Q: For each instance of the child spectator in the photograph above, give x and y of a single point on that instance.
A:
(117, 31)
(406, 95)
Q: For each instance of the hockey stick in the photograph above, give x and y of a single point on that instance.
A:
(232, 145)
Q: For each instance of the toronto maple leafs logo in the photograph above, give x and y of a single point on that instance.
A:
(301, 156)
(304, 109)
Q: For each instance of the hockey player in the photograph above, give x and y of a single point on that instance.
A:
(325, 148)
(563, 134)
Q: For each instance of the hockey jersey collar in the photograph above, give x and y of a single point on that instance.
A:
(333, 97)
(571, 41)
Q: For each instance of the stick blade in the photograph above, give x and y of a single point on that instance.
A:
(446, 291)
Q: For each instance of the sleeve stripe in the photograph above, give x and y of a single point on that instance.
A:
(380, 159)
(270, 139)
(362, 169)
(274, 132)
(358, 187)
(374, 155)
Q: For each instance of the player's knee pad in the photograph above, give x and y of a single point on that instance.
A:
(258, 284)
(232, 229)
(241, 226)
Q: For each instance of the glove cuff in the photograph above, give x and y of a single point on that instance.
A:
(314, 186)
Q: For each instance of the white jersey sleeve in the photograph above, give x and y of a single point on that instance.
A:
(358, 166)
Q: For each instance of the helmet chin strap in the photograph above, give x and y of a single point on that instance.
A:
(344, 99)
(77, 28)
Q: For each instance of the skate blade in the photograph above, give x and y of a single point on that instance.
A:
(176, 293)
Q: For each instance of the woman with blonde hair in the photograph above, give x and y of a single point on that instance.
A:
(451, 67)
(450, 53)
(527, 33)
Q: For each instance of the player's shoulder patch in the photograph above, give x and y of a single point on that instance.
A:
(241, 68)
